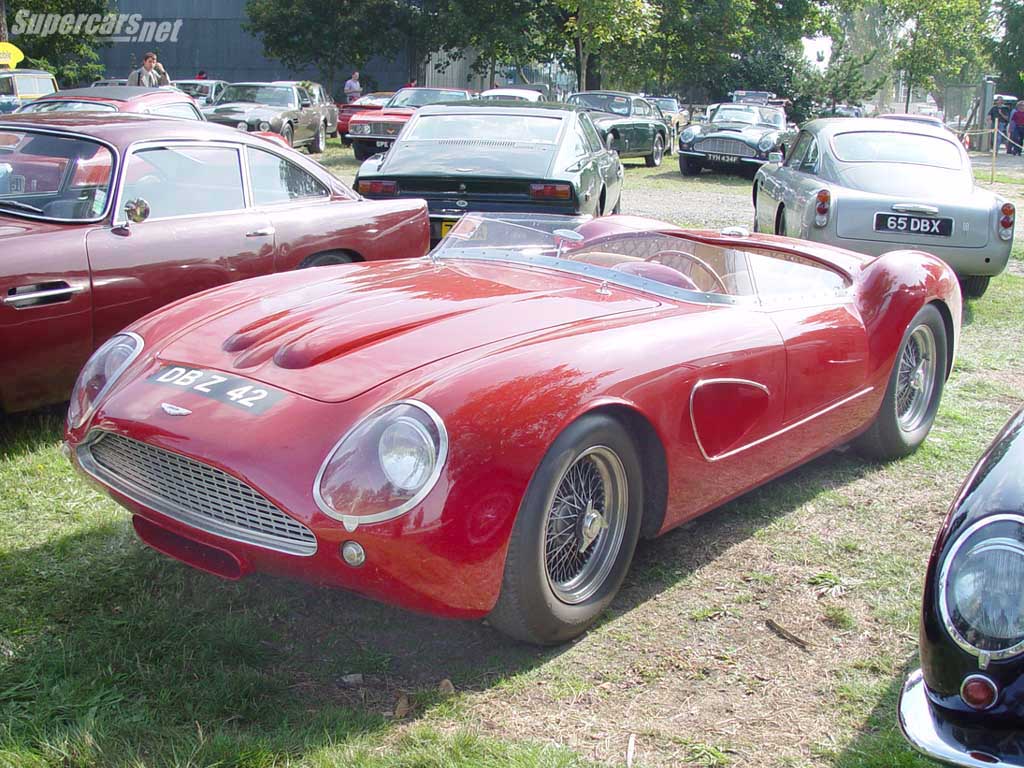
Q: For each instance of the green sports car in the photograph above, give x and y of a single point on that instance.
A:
(501, 157)
(629, 124)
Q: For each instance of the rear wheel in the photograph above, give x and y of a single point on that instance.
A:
(328, 259)
(319, 140)
(974, 287)
(914, 391)
(688, 166)
(653, 160)
(574, 537)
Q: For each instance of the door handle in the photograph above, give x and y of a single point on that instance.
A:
(26, 296)
(263, 232)
(915, 208)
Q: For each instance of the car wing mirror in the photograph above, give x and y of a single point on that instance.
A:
(775, 158)
(137, 210)
(305, 104)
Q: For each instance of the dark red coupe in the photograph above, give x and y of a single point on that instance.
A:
(488, 431)
(162, 102)
(104, 218)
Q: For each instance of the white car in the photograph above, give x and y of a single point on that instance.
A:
(875, 185)
(511, 94)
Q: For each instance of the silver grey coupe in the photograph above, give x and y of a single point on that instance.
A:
(875, 185)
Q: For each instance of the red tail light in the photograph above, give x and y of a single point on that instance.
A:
(378, 187)
(978, 692)
(823, 206)
(551, 191)
(1006, 222)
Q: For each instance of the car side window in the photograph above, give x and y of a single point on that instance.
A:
(276, 180)
(6, 86)
(185, 180)
(593, 137)
(796, 157)
(303, 96)
(580, 145)
(810, 161)
(641, 108)
(182, 111)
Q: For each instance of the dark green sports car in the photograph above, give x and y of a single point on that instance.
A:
(491, 156)
(629, 124)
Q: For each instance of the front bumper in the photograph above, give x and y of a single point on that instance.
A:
(732, 160)
(941, 739)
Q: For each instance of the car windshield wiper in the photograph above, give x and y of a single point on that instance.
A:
(20, 206)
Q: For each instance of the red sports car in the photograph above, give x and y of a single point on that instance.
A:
(488, 431)
(371, 102)
(162, 102)
(104, 218)
(375, 131)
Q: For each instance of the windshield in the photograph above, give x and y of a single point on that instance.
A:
(667, 105)
(420, 97)
(374, 99)
(271, 95)
(195, 90)
(602, 102)
(896, 147)
(750, 115)
(67, 106)
(53, 177)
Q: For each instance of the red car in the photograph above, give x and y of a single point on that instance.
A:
(104, 218)
(369, 103)
(374, 131)
(163, 102)
(548, 393)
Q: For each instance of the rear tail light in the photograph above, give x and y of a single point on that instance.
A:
(1006, 222)
(551, 191)
(822, 206)
(378, 187)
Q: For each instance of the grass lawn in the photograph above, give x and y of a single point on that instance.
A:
(113, 655)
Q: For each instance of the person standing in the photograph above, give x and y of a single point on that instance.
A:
(1000, 116)
(151, 74)
(1017, 137)
(353, 90)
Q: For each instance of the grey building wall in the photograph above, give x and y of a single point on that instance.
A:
(211, 37)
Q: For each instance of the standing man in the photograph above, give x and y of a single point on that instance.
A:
(1000, 116)
(151, 74)
(1017, 136)
(353, 90)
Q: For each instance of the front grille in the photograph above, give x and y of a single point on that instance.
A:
(385, 129)
(725, 147)
(193, 493)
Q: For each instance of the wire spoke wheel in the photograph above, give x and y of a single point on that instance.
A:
(916, 378)
(584, 524)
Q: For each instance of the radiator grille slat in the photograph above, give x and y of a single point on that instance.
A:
(725, 147)
(194, 493)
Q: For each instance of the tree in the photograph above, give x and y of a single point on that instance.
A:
(72, 58)
(844, 80)
(593, 24)
(327, 34)
(1008, 49)
(3, 22)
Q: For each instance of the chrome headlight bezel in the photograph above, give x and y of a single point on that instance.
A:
(945, 574)
(359, 129)
(378, 419)
(767, 141)
(689, 134)
(75, 422)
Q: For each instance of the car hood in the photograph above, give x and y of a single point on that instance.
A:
(358, 326)
(243, 110)
(605, 118)
(398, 113)
(749, 133)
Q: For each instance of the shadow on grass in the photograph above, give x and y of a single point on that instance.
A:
(23, 433)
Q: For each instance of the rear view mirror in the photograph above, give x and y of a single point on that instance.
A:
(137, 210)
(775, 158)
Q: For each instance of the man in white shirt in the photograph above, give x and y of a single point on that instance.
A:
(151, 74)
(353, 90)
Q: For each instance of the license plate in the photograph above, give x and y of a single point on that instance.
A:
(446, 227)
(913, 225)
(383, 144)
(723, 158)
(233, 390)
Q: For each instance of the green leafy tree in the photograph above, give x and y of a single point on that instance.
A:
(72, 58)
(326, 34)
(593, 24)
(1008, 49)
(844, 80)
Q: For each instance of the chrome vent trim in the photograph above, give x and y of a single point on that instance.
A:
(192, 493)
(725, 147)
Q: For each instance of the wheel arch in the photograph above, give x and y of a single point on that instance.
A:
(947, 320)
(353, 255)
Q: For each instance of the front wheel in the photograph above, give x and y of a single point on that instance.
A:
(653, 160)
(574, 537)
(688, 166)
(319, 140)
(974, 287)
(915, 388)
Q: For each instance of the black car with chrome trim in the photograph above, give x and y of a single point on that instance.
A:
(966, 704)
(737, 138)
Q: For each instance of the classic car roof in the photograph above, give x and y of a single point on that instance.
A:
(112, 93)
(194, 81)
(536, 108)
(121, 129)
(830, 126)
(25, 72)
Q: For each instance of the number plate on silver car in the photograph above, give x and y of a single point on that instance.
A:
(233, 390)
(913, 225)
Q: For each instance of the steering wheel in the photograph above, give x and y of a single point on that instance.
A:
(719, 283)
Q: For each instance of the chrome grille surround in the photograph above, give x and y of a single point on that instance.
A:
(192, 493)
(386, 128)
(719, 146)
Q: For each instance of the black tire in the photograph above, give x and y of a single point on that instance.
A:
(319, 140)
(327, 259)
(534, 608)
(362, 150)
(755, 228)
(288, 134)
(901, 425)
(974, 287)
(653, 160)
(780, 221)
(688, 166)
(346, 142)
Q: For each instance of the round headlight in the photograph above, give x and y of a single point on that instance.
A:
(981, 589)
(361, 128)
(99, 374)
(264, 125)
(407, 454)
(242, 126)
(767, 141)
(688, 134)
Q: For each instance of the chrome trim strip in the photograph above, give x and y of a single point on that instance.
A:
(984, 657)
(352, 522)
(772, 436)
(140, 495)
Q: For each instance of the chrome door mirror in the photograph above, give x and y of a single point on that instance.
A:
(137, 210)
(775, 158)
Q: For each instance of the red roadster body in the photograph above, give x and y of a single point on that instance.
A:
(488, 431)
(212, 206)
